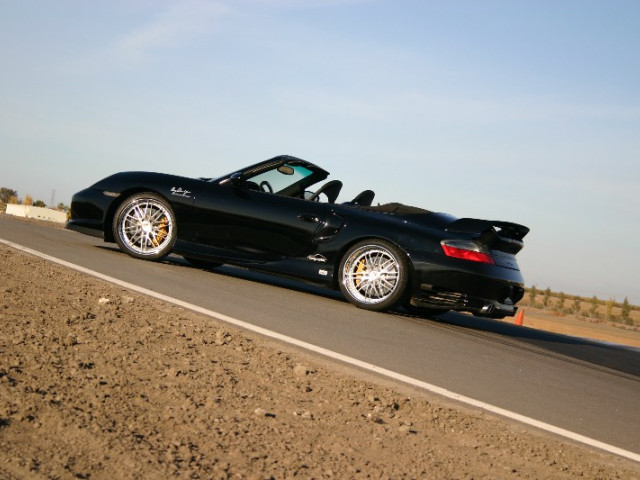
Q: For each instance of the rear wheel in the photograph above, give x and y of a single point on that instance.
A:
(374, 275)
(144, 226)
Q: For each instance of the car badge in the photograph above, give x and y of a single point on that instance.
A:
(180, 192)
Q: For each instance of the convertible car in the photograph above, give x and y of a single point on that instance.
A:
(273, 217)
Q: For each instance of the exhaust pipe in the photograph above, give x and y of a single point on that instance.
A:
(487, 309)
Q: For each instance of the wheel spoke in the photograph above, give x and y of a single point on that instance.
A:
(136, 235)
(132, 218)
(364, 286)
(143, 242)
(385, 287)
(369, 288)
(388, 285)
(157, 216)
(148, 244)
(137, 213)
(389, 265)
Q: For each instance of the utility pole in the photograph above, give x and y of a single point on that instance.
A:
(53, 198)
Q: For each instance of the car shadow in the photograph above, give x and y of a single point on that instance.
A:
(245, 274)
(619, 358)
(261, 277)
(613, 357)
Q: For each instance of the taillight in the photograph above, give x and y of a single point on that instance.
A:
(466, 250)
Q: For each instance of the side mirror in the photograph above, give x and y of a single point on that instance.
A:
(236, 179)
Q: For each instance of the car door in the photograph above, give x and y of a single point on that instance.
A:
(255, 226)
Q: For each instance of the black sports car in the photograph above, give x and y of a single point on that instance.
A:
(268, 217)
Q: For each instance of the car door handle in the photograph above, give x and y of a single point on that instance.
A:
(308, 218)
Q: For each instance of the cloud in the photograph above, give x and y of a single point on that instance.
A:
(172, 24)
(167, 25)
(179, 24)
(377, 104)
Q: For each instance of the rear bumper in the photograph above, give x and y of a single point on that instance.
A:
(484, 290)
(459, 301)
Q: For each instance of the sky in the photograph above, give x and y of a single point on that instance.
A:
(524, 111)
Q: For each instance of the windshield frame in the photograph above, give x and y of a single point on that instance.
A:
(295, 189)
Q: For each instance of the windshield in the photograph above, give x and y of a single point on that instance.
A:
(283, 175)
(281, 179)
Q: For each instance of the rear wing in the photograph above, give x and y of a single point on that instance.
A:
(497, 235)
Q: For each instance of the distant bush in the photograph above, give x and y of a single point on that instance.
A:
(576, 308)
(625, 313)
(546, 297)
(560, 302)
(603, 310)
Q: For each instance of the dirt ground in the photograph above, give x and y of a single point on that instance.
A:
(102, 383)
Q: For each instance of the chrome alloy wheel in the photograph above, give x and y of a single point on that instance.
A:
(371, 274)
(145, 226)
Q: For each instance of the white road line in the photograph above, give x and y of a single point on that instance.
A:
(340, 357)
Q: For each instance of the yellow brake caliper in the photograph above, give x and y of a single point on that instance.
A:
(362, 266)
(162, 232)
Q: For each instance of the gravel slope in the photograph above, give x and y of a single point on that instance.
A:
(99, 382)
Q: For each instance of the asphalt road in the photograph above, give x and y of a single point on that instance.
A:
(585, 387)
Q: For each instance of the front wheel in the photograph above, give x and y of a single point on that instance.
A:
(374, 275)
(144, 226)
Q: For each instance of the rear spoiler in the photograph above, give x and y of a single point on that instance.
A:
(497, 235)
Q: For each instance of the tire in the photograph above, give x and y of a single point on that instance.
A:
(144, 226)
(374, 275)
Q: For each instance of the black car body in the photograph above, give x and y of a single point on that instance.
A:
(265, 217)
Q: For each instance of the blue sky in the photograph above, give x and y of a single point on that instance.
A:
(527, 111)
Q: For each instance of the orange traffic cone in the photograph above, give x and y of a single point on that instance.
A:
(520, 317)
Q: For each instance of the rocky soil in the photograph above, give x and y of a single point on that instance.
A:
(102, 383)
